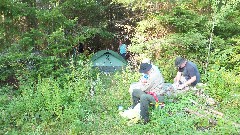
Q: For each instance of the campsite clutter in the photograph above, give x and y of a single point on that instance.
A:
(151, 89)
(132, 114)
(143, 93)
(204, 110)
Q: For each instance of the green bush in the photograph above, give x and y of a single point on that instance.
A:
(221, 83)
(50, 100)
(64, 105)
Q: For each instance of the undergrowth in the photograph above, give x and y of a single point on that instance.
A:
(87, 103)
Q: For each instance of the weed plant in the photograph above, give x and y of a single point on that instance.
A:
(65, 105)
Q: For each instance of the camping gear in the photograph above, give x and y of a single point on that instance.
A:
(131, 113)
(108, 61)
(120, 108)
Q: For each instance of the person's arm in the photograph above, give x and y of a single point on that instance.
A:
(193, 78)
(119, 47)
(177, 78)
(145, 84)
(189, 82)
(120, 43)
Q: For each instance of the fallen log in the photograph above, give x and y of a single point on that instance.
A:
(209, 110)
(216, 112)
(210, 120)
(204, 116)
(193, 112)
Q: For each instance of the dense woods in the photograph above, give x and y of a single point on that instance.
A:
(45, 80)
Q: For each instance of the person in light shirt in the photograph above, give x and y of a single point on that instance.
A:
(144, 77)
(150, 90)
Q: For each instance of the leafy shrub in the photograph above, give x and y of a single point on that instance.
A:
(186, 20)
(221, 83)
(50, 100)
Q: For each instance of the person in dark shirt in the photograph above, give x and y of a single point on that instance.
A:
(187, 75)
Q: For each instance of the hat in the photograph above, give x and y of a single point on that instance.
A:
(144, 67)
(179, 61)
(146, 60)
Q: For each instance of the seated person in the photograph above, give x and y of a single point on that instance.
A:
(150, 91)
(187, 75)
(138, 85)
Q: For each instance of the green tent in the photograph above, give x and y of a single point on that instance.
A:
(108, 61)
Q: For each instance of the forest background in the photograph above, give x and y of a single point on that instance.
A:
(45, 84)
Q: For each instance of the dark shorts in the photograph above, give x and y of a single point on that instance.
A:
(123, 55)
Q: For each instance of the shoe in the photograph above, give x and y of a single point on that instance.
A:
(161, 106)
(145, 121)
(130, 107)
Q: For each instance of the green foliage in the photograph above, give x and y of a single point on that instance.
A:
(37, 40)
(222, 79)
(186, 20)
(64, 105)
(221, 82)
(48, 100)
(229, 27)
(88, 12)
(228, 58)
(191, 43)
(222, 9)
(47, 37)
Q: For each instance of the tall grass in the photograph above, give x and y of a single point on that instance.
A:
(65, 105)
